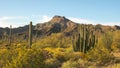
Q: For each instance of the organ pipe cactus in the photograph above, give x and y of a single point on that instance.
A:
(84, 39)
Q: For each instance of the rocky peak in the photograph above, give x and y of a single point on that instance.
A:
(55, 25)
(59, 19)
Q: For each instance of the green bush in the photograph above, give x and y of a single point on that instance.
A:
(116, 41)
(100, 56)
(27, 58)
(71, 64)
(52, 63)
(80, 63)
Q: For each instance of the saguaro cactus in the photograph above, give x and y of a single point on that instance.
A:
(5, 36)
(10, 35)
(30, 34)
(84, 39)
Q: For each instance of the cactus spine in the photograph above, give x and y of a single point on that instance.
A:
(84, 39)
(30, 34)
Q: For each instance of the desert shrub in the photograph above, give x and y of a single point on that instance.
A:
(101, 53)
(27, 58)
(58, 53)
(77, 55)
(62, 54)
(116, 40)
(54, 40)
(6, 56)
(52, 63)
(71, 64)
(100, 56)
(69, 49)
(80, 63)
(106, 40)
(114, 66)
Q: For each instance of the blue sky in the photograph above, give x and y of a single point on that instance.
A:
(20, 12)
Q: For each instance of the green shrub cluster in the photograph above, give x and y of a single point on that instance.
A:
(21, 58)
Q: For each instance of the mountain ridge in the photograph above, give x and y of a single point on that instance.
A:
(58, 24)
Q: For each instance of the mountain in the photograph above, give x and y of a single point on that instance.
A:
(58, 24)
(62, 24)
(55, 25)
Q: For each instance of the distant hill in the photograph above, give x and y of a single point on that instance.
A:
(62, 24)
(55, 25)
(58, 24)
